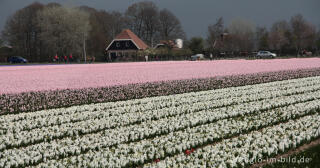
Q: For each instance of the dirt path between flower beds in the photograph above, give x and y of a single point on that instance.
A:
(289, 153)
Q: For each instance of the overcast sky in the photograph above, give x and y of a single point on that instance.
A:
(196, 15)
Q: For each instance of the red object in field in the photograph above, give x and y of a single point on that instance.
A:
(187, 152)
(192, 150)
(157, 160)
(65, 58)
(70, 56)
(56, 57)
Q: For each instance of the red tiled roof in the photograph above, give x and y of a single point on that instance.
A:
(128, 34)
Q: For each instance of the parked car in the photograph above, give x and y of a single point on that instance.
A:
(17, 59)
(197, 57)
(266, 54)
(306, 53)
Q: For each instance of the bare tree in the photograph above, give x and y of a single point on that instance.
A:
(196, 45)
(214, 34)
(95, 43)
(65, 30)
(1, 42)
(53, 4)
(116, 24)
(22, 32)
(143, 19)
(277, 36)
(170, 26)
(303, 33)
(310, 36)
(262, 41)
(242, 32)
(135, 18)
(104, 27)
(318, 42)
(112, 23)
(151, 22)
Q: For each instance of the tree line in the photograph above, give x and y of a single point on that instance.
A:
(39, 32)
(242, 38)
(284, 37)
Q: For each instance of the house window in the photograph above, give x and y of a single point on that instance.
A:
(118, 44)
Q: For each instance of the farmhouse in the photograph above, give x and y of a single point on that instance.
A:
(126, 44)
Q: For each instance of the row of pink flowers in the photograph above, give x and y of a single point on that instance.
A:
(17, 79)
(32, 101)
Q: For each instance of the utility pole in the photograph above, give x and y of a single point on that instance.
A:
(151, 42)
(84, 49)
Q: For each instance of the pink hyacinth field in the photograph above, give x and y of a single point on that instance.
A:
(17, 79)
(221, 113)
(159, 84)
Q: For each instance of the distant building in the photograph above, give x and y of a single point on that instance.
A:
(177, 44)
(126, 44)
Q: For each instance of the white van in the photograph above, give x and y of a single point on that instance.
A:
(197, 57)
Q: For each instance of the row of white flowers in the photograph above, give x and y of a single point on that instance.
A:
(249, 148)
(166, 101)
(195, 114)
(144, 150)
(31, 120)
(163, 119)
(123, 155)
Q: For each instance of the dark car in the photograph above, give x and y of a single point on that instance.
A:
(17, 59)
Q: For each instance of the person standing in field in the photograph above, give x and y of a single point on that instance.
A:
(56, 58)
(93, 59)
(211, 56)
(70, 58)
(65, 59)
(146, 57)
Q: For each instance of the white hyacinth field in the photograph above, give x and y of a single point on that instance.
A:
(230, 127)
